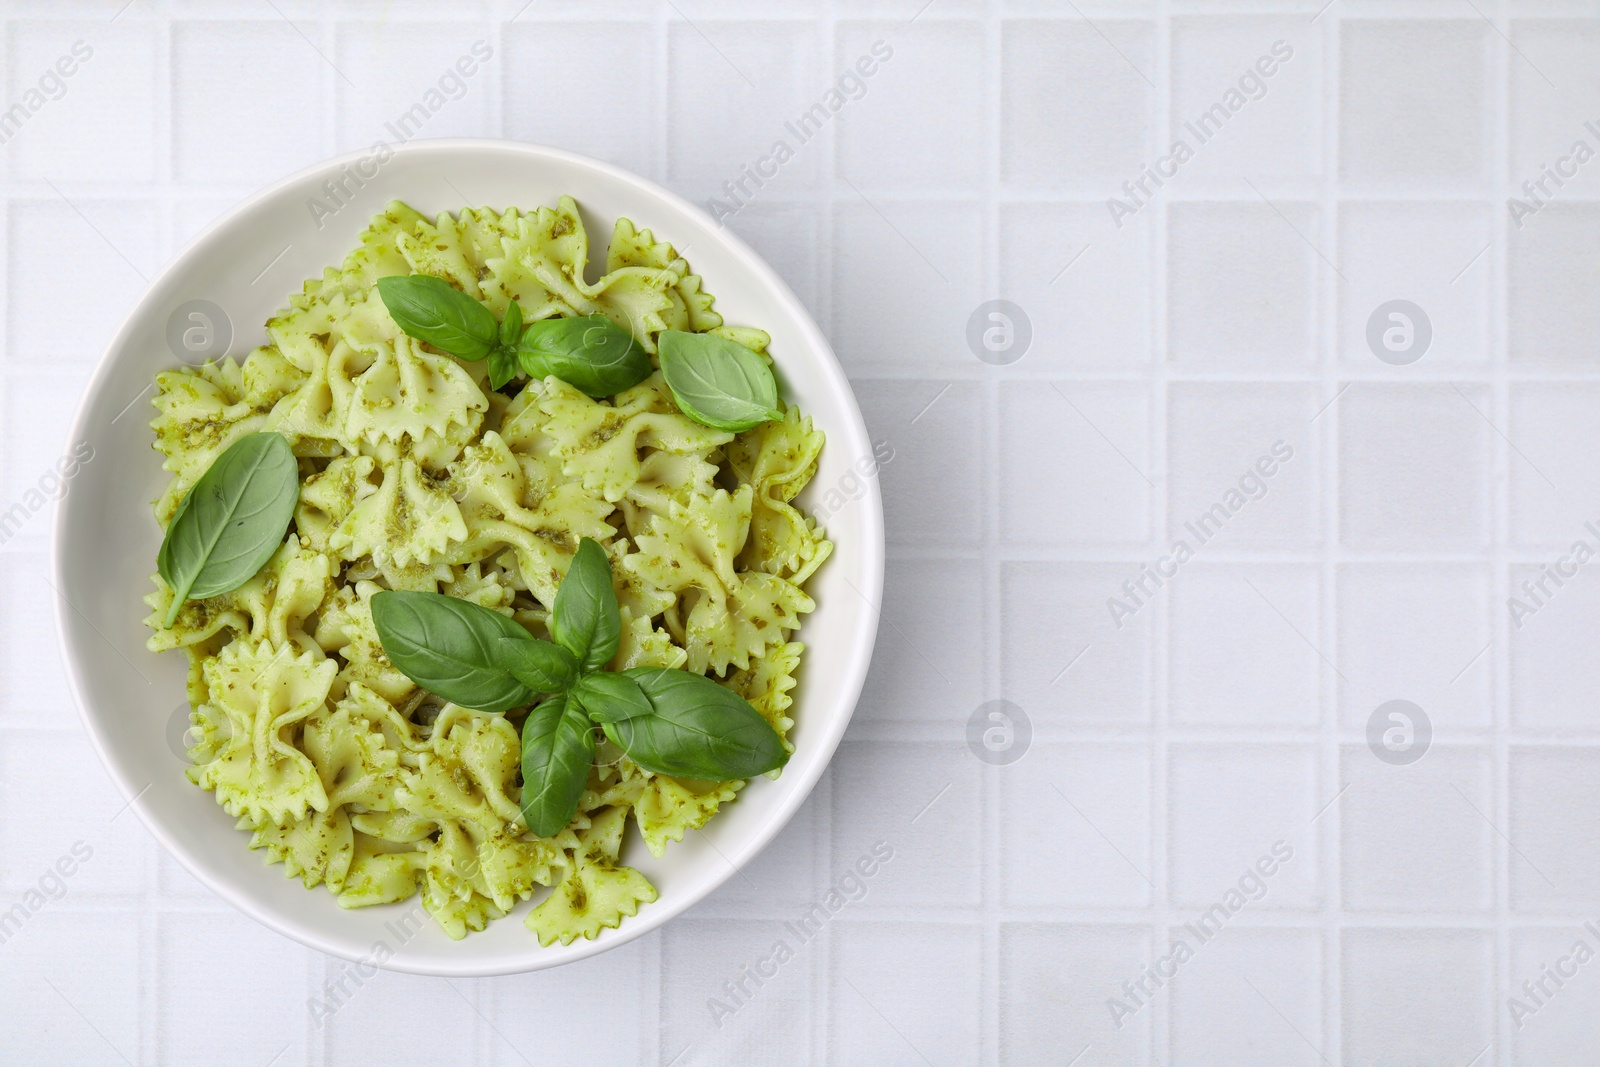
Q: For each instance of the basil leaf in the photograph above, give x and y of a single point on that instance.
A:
(432, 310)
(451, 647)
(539, 665)
(557, 749)
(699, 730)
(502, 367)
(608, 697)
(511, 326)
(716, 382)
(585, 619)
(232, 520)
(590, 352)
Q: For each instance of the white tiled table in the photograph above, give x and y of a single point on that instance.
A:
(1168, 755)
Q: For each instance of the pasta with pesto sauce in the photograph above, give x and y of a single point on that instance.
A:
(416, 475)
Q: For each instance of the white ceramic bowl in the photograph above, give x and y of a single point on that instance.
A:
(105, 545)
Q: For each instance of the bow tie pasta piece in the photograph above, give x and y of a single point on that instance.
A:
(600, 443)
(273, 606)
(595, 893)
(511, 501)
(668, 807)
(691, 306)
(265, 693)
(542, 264)
(777, 459)
(379, 872)
(409, 396)
(407, 519)
(767, 684)
(723, 616)
(458, 250)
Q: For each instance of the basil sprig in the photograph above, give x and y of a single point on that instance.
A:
(231, 521)
(718, 382)
(667, 721)
(432, 310)
(589, 352)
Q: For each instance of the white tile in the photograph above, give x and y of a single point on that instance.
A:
(1222, 442)
(87, 254)
(1551, 286)
(1229, 807)
(707, 1018)
(1555, 855)
(933, 486)
(1552, 94)
(230, 990)
(93, 960)
(413, 79)
(1240, 284)
(738, 89)
(1416, 996)
(905, 282)
(1435, 255)
(33, 442)
(1553, 677)
(1075, 827)
(1065, 656)
(563, 1027)
(1049, 67)
(1245, 645)
(785, 235)
(610, 118)
(928, 663)
(115, 852)
(1086, 292)
(393, 1016)
(783, 876)
(36, 691)
(1554, 489)
(1417, 837)
(906, 991)
(1417, 632)
(1235, 116)
(1413, 461)
(1552, 1026)
(876, 147)
(1055, 984)
(96, 123)
(1250, 997)
(1412, 101)
(923, 803)
(1074, 463)
(247, 121)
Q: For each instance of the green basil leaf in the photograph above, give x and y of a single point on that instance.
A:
(432, 310)
(451, 647)
(539, 665)
(232, 520)
(585, 619)
(557, 749)
(609, 697)
(511, 326)
(716, 382)
(503, 367)
(699, 730)
(590, 352)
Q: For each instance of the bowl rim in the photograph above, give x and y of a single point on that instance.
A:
(849, 681)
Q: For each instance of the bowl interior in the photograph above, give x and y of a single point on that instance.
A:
(133, 700)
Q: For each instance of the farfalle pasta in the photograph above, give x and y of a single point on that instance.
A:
(416, 475)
